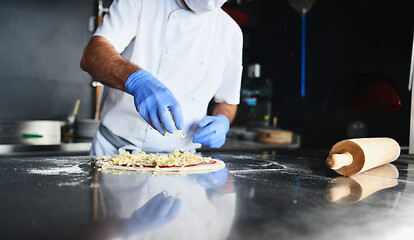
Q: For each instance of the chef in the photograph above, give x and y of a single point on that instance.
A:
(164, 60)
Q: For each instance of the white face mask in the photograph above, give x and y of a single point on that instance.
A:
(202, 6)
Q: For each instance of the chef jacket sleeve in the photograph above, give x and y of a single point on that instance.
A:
(119, 26)
(229, 90)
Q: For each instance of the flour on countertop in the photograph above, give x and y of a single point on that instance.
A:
(69, 184)
(57, 170)
(243, 157)
(253, 170)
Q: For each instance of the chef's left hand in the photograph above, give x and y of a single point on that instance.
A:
(213, 132)
(157, 212)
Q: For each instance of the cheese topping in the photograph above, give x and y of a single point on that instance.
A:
(178, 131)
(175, 159)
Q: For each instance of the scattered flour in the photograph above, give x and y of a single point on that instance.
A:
(57, 170)
(65, 184)
(242, 156)
(254, 170)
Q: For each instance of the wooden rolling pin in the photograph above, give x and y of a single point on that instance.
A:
(352, 156)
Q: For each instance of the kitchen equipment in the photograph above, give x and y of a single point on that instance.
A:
(274, 136)
(75, 110)
(249, 135)
(99, 87)
(254, 70)
(256, 97)
(98, 100)
(348, 190)
(353, 156)
(86, 128)
(302, 6)
(30, 132)
(69, 128)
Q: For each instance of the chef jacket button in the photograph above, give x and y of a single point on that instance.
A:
(193, 98)
(202, 62)
(167, 52)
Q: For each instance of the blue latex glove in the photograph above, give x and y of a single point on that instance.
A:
(157, 212)
(154, 101)
(213, 132)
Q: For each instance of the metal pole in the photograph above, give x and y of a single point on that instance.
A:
(303, 55)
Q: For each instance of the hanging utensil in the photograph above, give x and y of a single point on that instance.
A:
(75, 111)
(99, 87)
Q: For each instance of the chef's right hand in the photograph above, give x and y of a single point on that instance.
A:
(154, 101)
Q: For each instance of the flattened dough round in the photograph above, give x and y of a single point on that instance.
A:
(203, 168)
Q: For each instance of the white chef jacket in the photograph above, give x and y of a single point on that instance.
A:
(196, 56)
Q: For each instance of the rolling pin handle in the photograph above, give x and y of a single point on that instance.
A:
(336, 161)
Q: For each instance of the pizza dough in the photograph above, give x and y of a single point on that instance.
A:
(176, 162)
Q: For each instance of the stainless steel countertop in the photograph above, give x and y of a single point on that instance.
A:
(287, 195)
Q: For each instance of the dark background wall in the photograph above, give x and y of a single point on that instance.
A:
(41, 46)
(350, 44)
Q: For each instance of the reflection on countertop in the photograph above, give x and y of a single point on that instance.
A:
(148, 206)
(348, 190)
